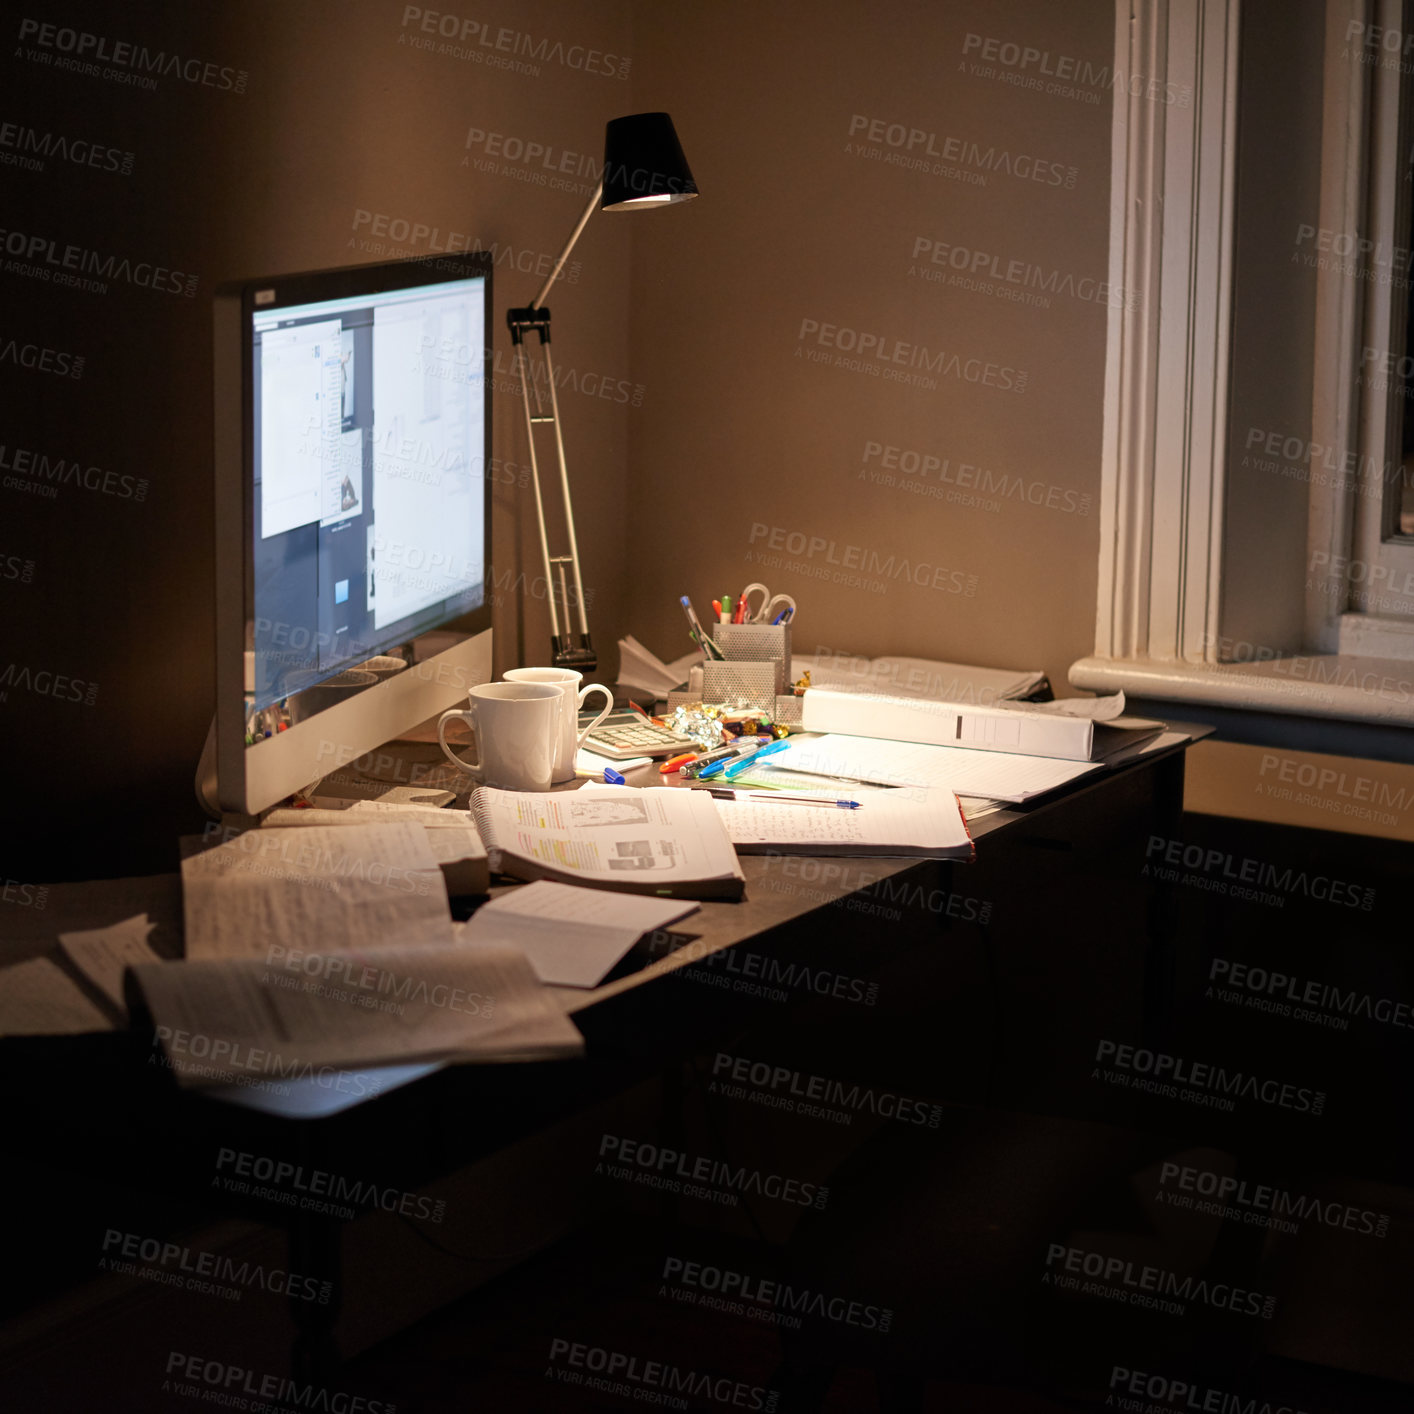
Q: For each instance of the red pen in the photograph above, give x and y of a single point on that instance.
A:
(677, 763)
(717, 609)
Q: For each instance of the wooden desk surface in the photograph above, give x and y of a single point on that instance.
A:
(777, 891)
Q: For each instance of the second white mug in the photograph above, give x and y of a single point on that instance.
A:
(570, 737)
(517, 731)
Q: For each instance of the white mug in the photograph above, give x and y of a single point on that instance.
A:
(517, 729)
(570, 736)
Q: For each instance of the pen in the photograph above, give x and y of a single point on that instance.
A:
(676, 763)
(722, 753)
(726, 610)
(717, 609)
(695, 624)
(727, 766)
(732, 767)
(781, 617)
(722, 793)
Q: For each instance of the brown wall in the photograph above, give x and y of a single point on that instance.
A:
(714, 420)
(339, 115)
(747, 449)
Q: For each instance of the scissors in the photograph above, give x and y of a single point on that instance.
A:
(772, 606)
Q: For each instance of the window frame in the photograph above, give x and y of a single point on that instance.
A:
(1164, 518)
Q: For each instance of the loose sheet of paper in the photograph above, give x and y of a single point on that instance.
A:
(102, 954)
(997, 775)
(310, 1014)
(319, 888)
(37, 999)
(573, 937)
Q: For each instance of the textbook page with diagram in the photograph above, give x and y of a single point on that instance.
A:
(654, 841)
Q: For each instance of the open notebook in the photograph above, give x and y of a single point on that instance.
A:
(927, 824)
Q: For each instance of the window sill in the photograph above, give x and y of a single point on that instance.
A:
(1376, 691)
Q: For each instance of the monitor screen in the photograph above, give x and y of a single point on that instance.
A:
(368, 450)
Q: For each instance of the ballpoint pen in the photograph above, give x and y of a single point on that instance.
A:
(721, 755)
(733, 767)
(718, 767)
(725, 793)
(700, 633)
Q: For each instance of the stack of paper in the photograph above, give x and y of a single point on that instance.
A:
(994, 775)
(916, 677)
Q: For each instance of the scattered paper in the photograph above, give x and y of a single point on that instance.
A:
(640, 668)
(37, 999)
(102, 954)
(573, 937)
(319, 888)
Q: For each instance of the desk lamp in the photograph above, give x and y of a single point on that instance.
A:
(644, 167)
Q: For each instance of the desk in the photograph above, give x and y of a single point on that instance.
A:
(639, 1027)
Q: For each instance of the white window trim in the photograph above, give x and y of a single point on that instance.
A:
(1163, 474)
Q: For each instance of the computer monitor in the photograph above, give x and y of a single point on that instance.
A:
(353, 441)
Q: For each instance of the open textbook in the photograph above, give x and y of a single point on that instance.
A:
(293, 1013)
(654, 841)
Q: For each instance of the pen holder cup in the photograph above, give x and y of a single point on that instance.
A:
(740, 684)
(756, 643)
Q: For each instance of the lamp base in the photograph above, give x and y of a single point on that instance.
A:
(580, 657)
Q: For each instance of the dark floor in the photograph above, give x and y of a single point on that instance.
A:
(1092, 1155)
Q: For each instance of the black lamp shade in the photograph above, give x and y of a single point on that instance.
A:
(643, 164)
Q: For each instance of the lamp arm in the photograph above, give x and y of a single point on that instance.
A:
(569, 244)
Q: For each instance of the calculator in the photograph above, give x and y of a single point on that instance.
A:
(624, 734)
